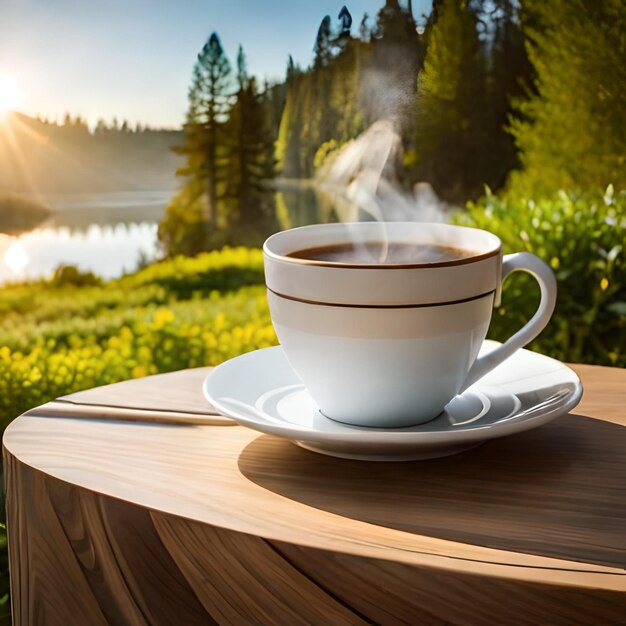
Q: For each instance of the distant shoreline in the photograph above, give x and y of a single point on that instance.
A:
(19, 215)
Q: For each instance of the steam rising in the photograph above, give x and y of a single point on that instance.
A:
(363, 181)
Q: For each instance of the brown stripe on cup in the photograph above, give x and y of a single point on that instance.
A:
(382, 306)
(367, 322)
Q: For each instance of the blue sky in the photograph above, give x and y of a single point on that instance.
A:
(133, 58)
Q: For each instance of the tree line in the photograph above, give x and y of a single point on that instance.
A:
(71, 157)
(520, 96)
(71, 122)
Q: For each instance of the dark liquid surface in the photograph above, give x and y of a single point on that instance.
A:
(378, 253)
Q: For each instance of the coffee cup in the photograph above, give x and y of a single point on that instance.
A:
(383, 322)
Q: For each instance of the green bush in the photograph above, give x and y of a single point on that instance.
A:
(582, 238)
(71, 275)
(226, 269)
(81, 354)
(61, 336)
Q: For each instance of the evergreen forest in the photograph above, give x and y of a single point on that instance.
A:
(522, 98)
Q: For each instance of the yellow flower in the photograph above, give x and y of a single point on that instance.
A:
(604, 284)
(162, 316)
(139, 371)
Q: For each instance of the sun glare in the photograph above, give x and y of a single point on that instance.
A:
(11, 96)
(16, 258)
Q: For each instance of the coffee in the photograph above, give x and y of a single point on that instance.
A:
(394, 253)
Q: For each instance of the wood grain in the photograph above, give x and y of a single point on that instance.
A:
(256, 585)
(557, 491)
(393, 593)
(176, 391)
(121, 522)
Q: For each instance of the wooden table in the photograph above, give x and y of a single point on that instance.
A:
(198, 521)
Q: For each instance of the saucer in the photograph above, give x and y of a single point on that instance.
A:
(260, 390)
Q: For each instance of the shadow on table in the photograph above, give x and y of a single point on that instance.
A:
(558, 491)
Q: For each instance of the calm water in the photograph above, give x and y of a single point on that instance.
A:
(105, 233)
(110, 233)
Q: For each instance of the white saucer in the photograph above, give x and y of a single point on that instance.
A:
(261, 390)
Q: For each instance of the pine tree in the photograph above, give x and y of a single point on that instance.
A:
(450, 124)
(242, 69)
(346, 20)
(319, 121)
(322, 49)
(509, 79)
(196, 216)
(572, 133)
(251, 164)
(209, 103)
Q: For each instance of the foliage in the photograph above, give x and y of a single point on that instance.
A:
(124, 344)
(229, 136)
(28, 310)
(195, 218)
(447, 90)
(209, 96)
(453, 87)
(185, 229)
(572, 133)
(352, 82)
(251, 162)
(449, 100)
(325, 154)
(582, 237)
(463, 97)
(71, 275)
(175, 314)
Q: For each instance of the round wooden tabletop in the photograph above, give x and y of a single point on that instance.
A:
(137, 504)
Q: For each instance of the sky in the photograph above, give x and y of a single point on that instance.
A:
(133, 58)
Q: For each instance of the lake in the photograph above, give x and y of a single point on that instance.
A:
(105, 233)
(110, 234)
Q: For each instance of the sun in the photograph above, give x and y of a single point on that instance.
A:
(16, 258)
(11, 96)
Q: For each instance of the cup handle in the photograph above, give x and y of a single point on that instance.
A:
(542, 273)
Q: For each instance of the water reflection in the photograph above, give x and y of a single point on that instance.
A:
(108, 250)
(300, 205)
(16, 258)
(109, 233)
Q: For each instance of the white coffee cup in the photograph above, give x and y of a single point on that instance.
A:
(389, 345)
